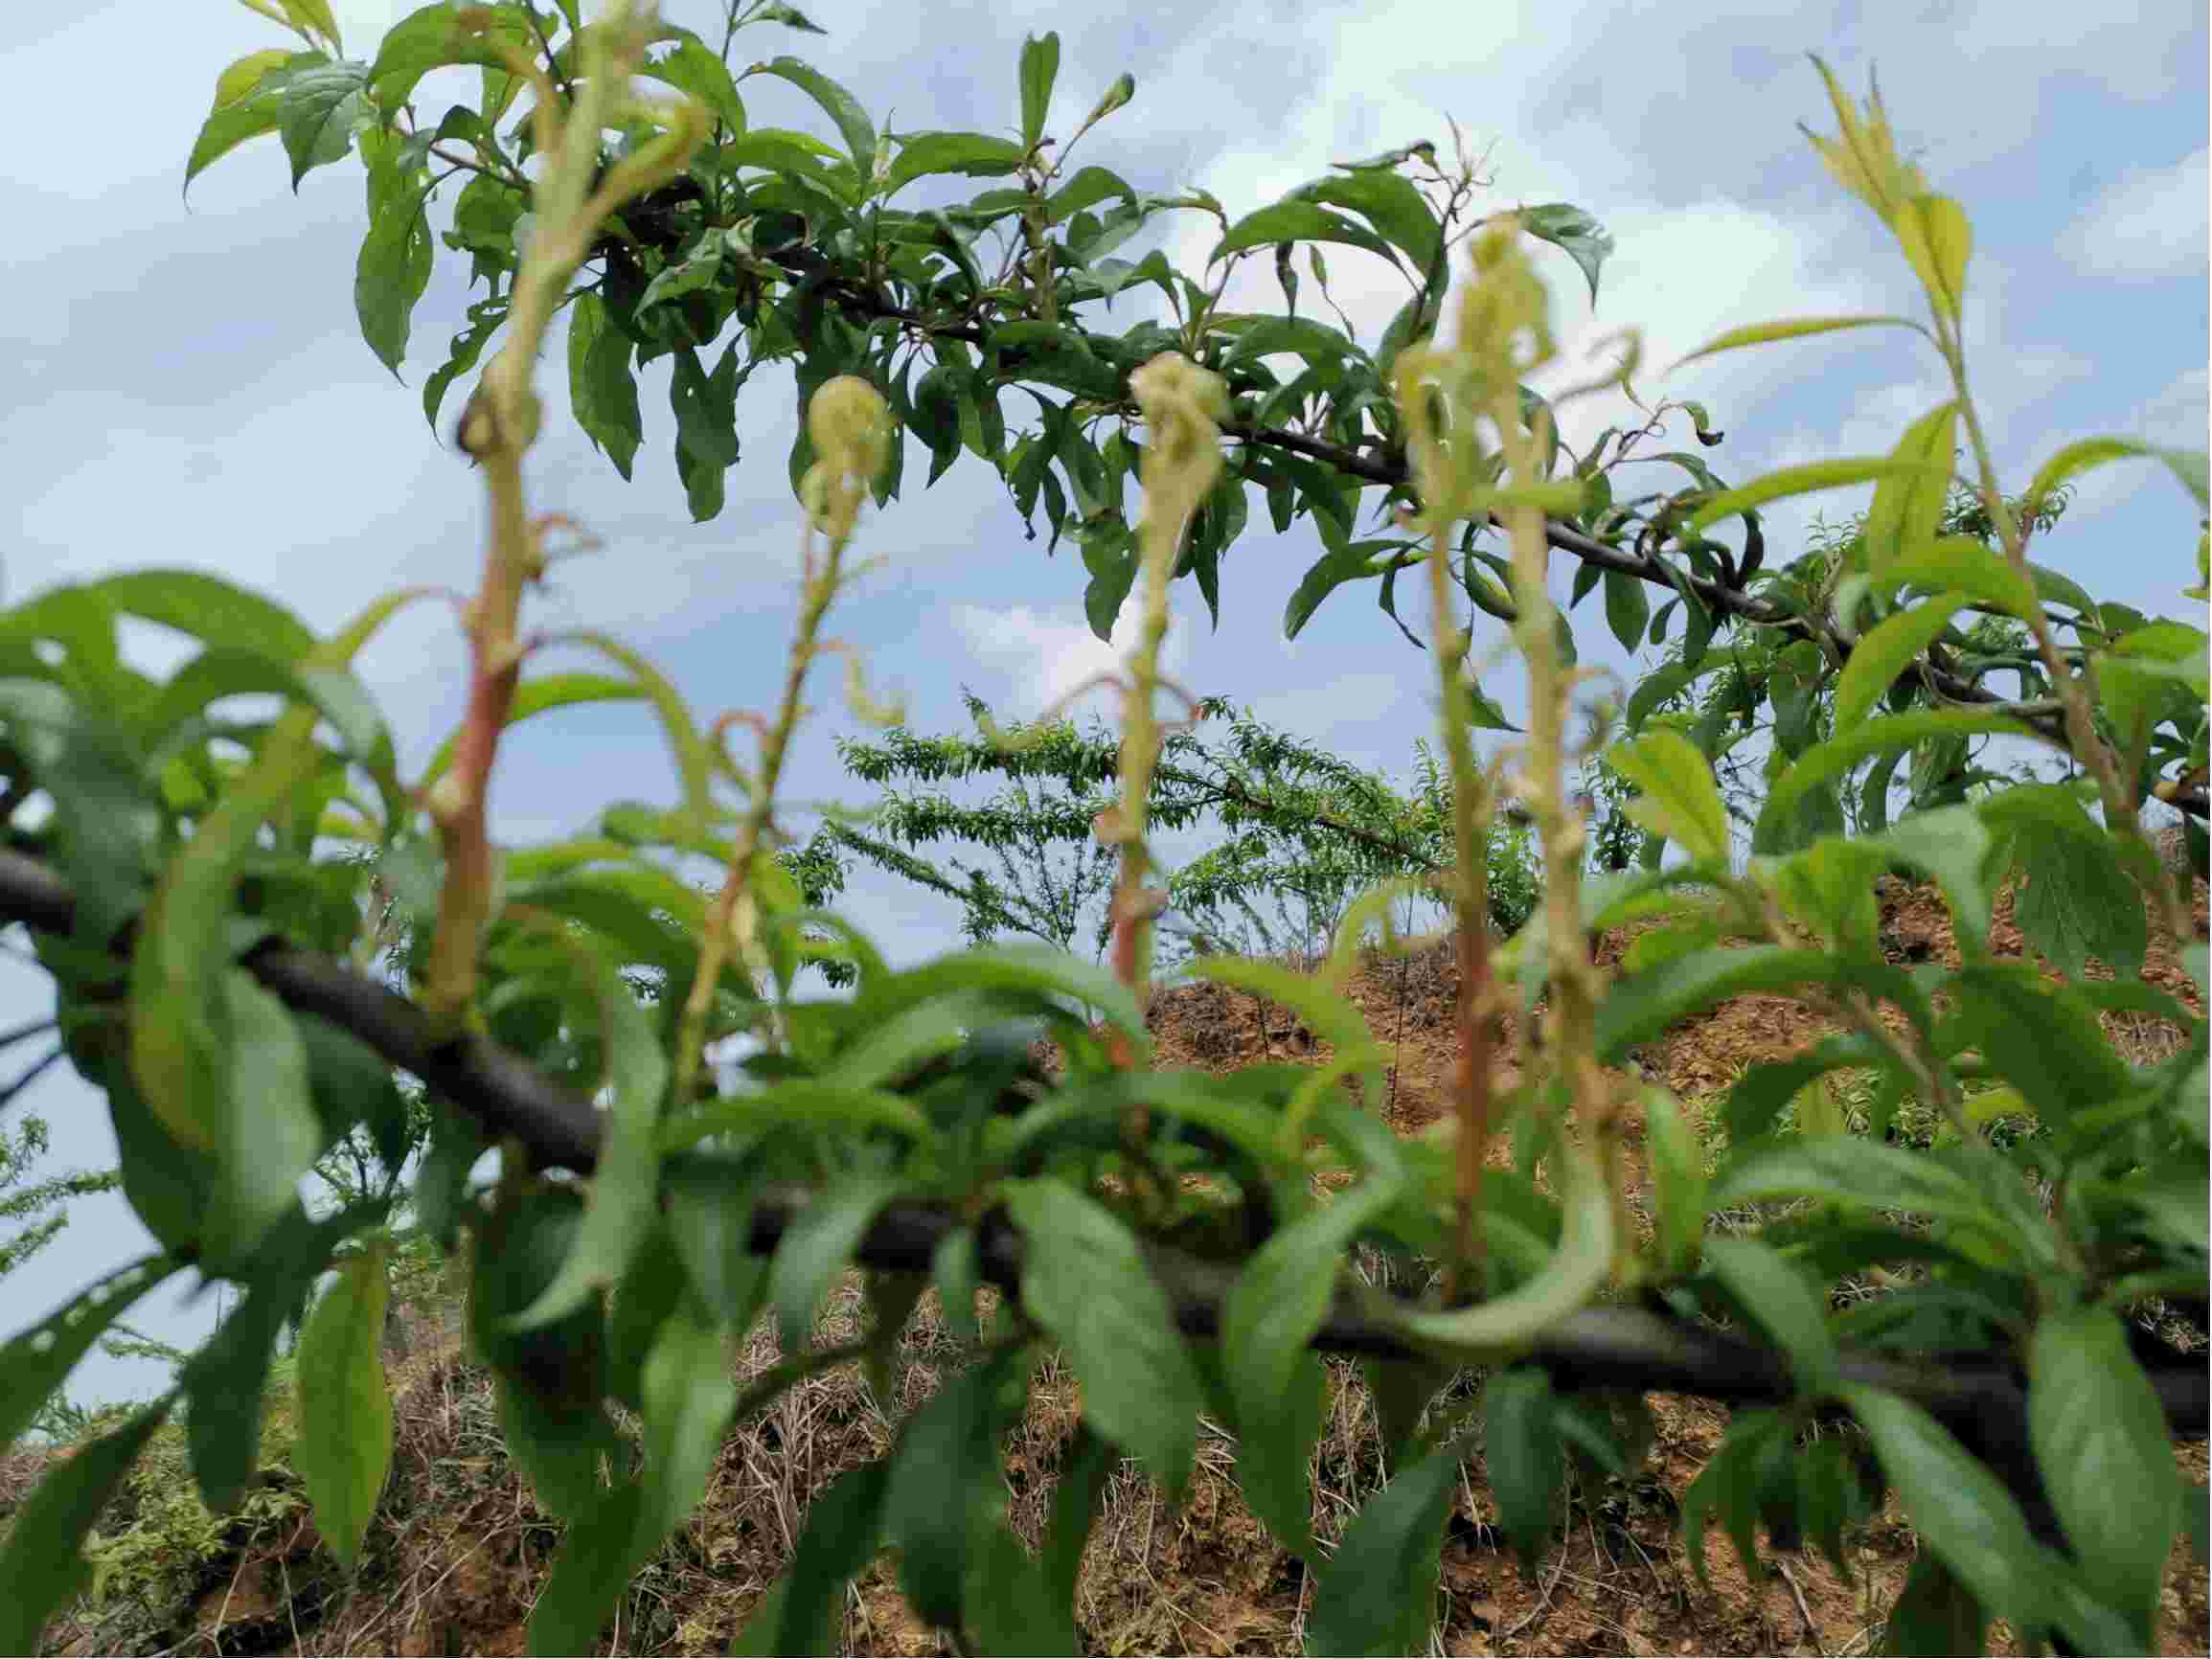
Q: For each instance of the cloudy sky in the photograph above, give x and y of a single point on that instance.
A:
(190, 388)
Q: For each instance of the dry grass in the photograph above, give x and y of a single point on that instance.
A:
(460, 1546)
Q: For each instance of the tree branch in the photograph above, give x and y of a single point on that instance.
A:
(1978, 1395)
(1385, 467)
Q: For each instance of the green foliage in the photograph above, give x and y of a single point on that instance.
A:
(193, 873)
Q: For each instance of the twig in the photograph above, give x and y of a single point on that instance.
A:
(1544, 1598)
(1812, 1630)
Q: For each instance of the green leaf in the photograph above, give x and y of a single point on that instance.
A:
(806, 1611)
(688, 1395)
(2042, 1038)
(462, 354)
(1759, 333)
(436, 36)
(1854, 1172)
(42, 1565)
(1961, 562)
(344, 1445)
(265, 1135)
(1087, 1282)
(1574, 232)
(699, 72)
(816, 1247)
(1678, 1178)
(392, 273)
(706, 411)
(969, 154)
(709, 1221)
(1009, 1607)
(945, 1489)
(1831, 760)
(601, 389)
(1269, 1318)
(1783, 1304)
(537, 696)
(1808, 478)
(248, 101)
(2081, 456)
(853, 123)
(1643, 1005)
(1885, 651)
(1123, 88)
(1628, 609)
(1295, 220)
(1391, 204)
(1952, 845)
(2101, 1442)
(38, 1360)
(1085, 1467)
(621, 1208)
(594, 1566)
(1039, 69)
(2075, 900)
(317, 111)
(1908, 506)
(1679, 800)
(1956, 1506)
(1379, 1593)
(106, 830)
(1520, 1454)
(550, 1381)
(1934, 1613)
(1346, 561)
(223, 1382)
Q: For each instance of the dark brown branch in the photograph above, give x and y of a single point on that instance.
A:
(1388, 469)
(1978, 1395)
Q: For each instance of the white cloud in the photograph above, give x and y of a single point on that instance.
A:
(2149, 224)
(1044, 657)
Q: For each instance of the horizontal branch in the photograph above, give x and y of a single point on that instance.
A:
(1980, 1396)
(1383, 466)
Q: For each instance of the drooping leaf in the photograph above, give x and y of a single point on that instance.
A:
(697, 71)
(1765, 1285)
(2101, 1442)
(621, 1207)
(601, 389)
(1628, 609)
(248, 101)
(1522, 1456)
(1574, 232)
(805, 1612)
(344, 1445)
(317, 111)
(1958, 1508)
(436, 36)
(1087, 1282)
(841, 106)
(392, 273)
(223, 1382)
(1378, 1594)
(816, 1248)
